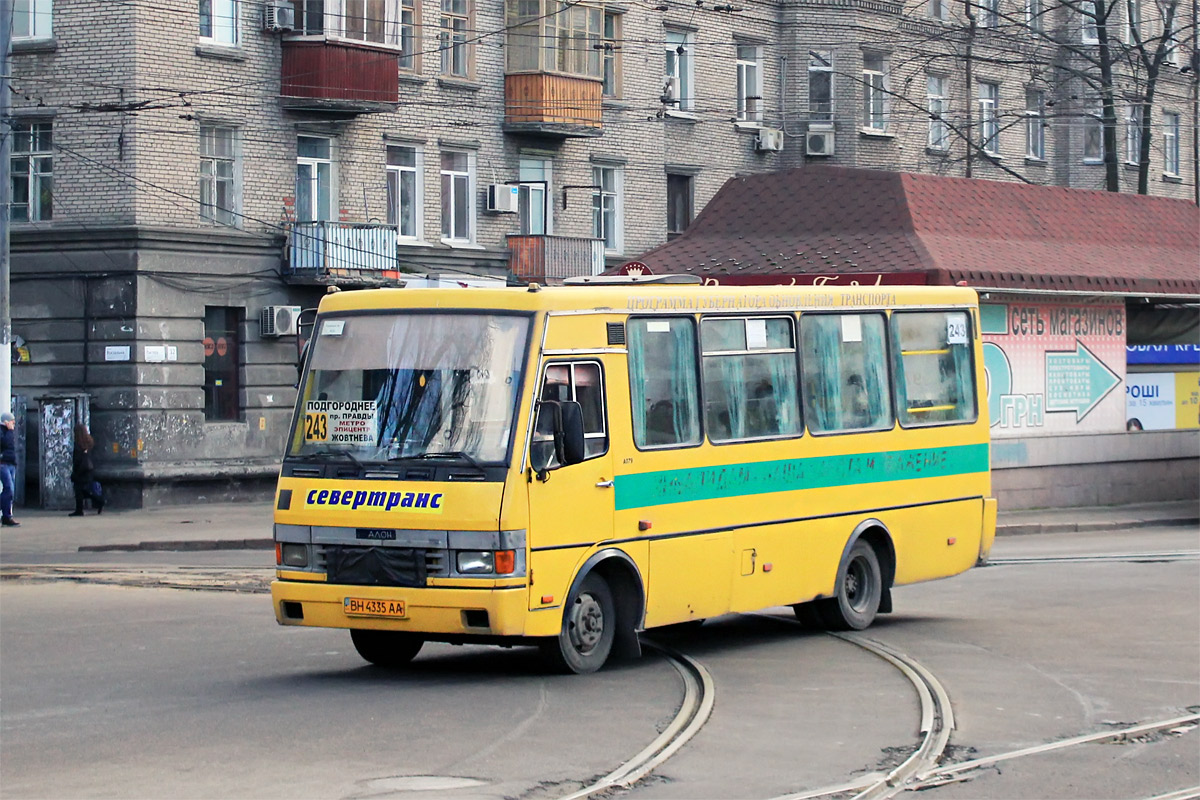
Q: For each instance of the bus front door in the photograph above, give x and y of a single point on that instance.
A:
(570, 506)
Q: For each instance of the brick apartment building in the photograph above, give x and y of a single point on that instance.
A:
(182, 165)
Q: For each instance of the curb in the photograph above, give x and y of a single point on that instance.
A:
(182, 545)
(1023, 528)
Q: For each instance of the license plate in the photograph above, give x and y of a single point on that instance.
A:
(363, 607)
(378, 534)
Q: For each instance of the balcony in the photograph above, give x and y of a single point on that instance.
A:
(550, 259)
(552, 105)
(338, 77)
(342, 252)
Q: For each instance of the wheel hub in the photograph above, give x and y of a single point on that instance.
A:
(587, 623)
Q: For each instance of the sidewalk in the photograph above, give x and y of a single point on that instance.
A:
(247, 526)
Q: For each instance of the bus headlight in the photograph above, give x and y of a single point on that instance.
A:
(294, 555)
(475, 562)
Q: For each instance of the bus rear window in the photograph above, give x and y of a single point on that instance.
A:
(935, 384)
(845, 372)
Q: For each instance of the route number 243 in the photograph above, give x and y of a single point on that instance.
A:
(316, 427)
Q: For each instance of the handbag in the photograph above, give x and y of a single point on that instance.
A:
(97, 490)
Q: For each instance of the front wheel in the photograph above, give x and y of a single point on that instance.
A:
(859, 592)
(391, 649)
(589, 624)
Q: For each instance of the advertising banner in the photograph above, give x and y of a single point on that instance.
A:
(1053, 367)
(1160, 401)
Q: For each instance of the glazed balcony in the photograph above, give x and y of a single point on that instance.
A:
(342, 252)
(320, 74)
(552, 104)
(550, 259)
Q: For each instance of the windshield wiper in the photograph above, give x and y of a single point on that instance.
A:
(324, 454)
(450, 454)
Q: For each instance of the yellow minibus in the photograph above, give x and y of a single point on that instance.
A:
(567, 466)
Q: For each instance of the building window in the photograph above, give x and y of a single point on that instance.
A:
(315, 194)
(606, 208)
(455, 28)
(989, 13)
(1171, 143)
(1133, 24)
(408, 34)
(938, 9)
(875, 105)
(221, 363)
(32, 19)
(534, 196)
(679, 204)
(939, 131)
(310, 16)
(1035, 124)
(218, 174)
(1090, 33)
(749, 83)
(1093, 136)
(31, 169)
(989, 121)
(1171, 34)
(1133, 134)
(219, 21)
(1034, 11)
(679, 68)
(549, 36)
(458, 206)
(404, 190)
(820, 87)
(611, 72)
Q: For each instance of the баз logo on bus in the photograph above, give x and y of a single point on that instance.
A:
(414, 502)
(1006, 409)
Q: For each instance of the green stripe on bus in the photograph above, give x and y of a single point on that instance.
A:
(764, 477)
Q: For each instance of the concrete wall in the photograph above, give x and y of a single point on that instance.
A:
(1102, 469)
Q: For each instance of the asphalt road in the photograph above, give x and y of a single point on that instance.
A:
(116, 691)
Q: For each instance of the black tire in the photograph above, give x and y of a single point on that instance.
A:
(859, 591)
(391, 649)
(588, 629)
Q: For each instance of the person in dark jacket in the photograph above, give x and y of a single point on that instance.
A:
(82, 473)
(8, 467)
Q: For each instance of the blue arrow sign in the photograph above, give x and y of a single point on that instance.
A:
(1077, 381)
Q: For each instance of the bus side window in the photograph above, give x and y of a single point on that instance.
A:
(845, 372)
(663, 381)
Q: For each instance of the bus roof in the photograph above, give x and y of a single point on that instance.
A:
(653, 298)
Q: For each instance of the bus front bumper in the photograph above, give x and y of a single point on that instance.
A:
(453, 611)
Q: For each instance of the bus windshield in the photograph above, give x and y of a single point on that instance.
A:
(385, 387)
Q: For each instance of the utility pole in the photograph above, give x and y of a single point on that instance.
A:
(6, 14)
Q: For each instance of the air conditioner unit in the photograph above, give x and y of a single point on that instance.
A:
(503, 198)
(279, 16)
(769, 140)
(818, 142)
(670, 95)
(279, 321)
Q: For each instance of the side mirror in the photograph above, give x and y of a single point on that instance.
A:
(570, 435)
(560, 426)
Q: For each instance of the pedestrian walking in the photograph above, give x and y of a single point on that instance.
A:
(83, 473)
(8, 468)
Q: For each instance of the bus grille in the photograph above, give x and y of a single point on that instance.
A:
(437, 562)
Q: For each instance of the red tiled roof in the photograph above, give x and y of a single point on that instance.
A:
(820, 219)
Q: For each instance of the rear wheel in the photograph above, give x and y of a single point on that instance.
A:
(390, 649)
(589, 624)
(860, 589)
